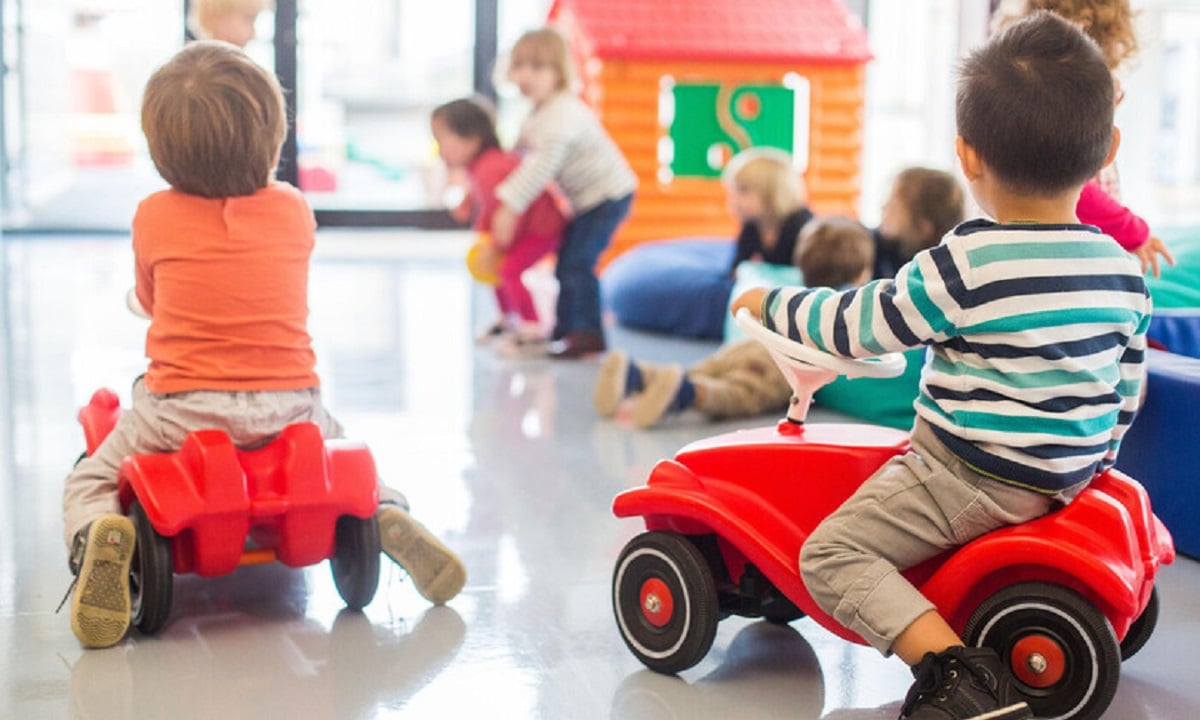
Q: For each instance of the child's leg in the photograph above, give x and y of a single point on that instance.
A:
(99, 539)
(913, 508)
(587, 236)
(739, 380)
(90, 489)
(437, 573)
(524, 252)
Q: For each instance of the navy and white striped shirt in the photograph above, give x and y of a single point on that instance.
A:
(1036, 335)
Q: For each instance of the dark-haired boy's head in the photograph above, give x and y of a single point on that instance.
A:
(1036, 104)
(835, 252)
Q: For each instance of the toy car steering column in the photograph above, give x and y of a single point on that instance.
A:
(808, 370)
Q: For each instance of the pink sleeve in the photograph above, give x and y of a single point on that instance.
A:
(1098, 208)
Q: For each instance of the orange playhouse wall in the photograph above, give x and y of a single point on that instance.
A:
(625, 95)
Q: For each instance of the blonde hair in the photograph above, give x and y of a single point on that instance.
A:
(201, 12)
(834, 252)
(214, 121)
(1108, 22)
(545, 46)
(768, 173)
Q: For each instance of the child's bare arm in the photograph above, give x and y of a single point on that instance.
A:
(1148, 253)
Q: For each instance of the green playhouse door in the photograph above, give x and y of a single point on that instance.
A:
(710, 122)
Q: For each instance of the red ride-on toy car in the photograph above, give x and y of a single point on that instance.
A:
(1063, 599)
(210, 507)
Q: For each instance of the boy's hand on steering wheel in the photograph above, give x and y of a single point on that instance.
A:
(752, 300)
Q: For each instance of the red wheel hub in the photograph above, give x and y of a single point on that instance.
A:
(656, 602)
(1038, 661)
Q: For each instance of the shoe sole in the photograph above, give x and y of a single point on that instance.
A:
(1020, 711)
(436, 571)
(610, 383)
(660, 390)
(100, 607)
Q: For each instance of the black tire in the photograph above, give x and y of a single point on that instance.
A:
(355, 561)
(667, 570)
(1072, 642)
(151, 575)
(1141, 629)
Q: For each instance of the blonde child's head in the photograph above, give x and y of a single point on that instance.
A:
(214, 121)
(762, 185)
(1109, 22)
(544, 47)
(228, 20)
(923, 206)
(835, 252)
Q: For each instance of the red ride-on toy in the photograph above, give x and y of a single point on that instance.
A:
(210, 507)
(1063, 599)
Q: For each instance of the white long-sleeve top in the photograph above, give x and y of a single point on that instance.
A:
(562, 141)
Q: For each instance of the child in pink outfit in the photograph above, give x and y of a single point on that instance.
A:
(466, 138)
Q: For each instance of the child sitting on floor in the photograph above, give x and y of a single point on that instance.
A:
(740, 379)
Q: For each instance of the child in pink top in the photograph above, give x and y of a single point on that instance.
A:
(1110, 24)
(466, 136)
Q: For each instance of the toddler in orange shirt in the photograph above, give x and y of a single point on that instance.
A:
(221, 262)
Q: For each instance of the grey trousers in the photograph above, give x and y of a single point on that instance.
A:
(159, 423)
(914, 507)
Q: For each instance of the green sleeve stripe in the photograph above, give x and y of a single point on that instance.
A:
(1050, 318)
(929, 310)
(1038, 379)
(1064, 250)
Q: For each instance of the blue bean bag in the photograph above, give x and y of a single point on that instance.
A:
(1160, 448)
(672, 287)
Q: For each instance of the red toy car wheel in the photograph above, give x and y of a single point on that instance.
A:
(151, 575)
(355, 561)
(1142, 628)
(665, 601)
(1062, 650)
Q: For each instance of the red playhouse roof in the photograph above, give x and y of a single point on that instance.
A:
(814, 31)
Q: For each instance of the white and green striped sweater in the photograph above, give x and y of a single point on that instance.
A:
(1036, 335)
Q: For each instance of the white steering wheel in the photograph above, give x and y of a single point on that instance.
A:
(803, 357)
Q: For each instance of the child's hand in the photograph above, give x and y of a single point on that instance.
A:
(1149, 251)
(504, 224)
(752, 300)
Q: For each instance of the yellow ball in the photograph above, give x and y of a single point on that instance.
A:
(483, 261)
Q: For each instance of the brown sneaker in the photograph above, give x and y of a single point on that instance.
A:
(435, 570)
(576, 345)
(610, 383)
(100, 605)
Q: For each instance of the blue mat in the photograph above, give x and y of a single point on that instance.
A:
(1158, 449)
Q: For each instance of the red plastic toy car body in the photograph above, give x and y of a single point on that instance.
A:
(1063, 599)
(209, 508)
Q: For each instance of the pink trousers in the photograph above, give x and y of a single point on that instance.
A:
(511, 294)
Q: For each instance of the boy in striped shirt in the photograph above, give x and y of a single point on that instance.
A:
(1035, 327)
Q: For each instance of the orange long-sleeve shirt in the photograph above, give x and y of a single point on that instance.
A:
(226, 284)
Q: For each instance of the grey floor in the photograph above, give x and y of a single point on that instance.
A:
(503, 458)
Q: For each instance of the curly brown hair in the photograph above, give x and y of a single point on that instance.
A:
(1108, 22)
